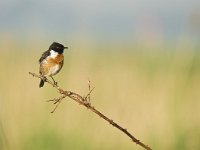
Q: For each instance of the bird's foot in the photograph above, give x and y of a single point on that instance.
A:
(55, 83)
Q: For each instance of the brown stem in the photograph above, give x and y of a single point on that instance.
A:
(83, 101)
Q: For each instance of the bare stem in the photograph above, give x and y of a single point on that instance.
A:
(84, 102)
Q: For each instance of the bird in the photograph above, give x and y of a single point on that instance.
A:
(51, 62)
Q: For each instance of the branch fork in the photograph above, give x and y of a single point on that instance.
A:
(85, 101)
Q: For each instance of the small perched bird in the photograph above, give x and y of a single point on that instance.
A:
(51, 61)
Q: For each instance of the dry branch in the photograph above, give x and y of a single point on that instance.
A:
(86, 102)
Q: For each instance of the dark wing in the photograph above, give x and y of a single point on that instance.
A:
(44, 56)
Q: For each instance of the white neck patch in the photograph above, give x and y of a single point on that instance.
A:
(53, 54)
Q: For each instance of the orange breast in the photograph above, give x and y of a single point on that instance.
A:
(45, 68)
(59, 58)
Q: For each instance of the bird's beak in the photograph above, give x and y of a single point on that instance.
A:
(65, 47)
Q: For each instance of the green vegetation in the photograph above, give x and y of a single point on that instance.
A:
(155, 94)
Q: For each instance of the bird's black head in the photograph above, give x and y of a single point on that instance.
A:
(57, 47)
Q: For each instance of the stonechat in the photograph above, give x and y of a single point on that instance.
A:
(51, 61)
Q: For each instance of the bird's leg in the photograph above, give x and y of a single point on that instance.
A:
(54, 82)
(44, 78)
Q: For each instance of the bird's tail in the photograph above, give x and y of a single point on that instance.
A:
(41, 83)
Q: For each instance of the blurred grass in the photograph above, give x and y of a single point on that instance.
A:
(153, 92)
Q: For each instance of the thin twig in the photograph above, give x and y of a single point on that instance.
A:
(89, 91)
(88, 95)
(56, 101)
(81, 100)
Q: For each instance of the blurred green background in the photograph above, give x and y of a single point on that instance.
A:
(143, 57)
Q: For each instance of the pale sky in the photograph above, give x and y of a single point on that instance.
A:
(99, 18)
